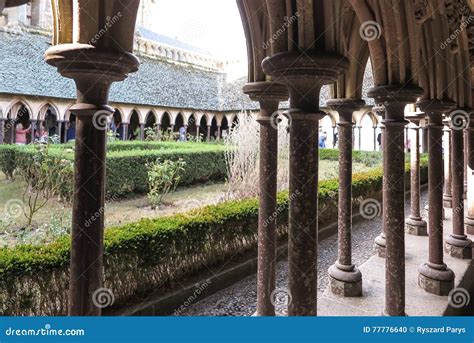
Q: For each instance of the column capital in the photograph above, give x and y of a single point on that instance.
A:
(436, 107)
(345, 108)
(305, 74)
(395, 94)
(266, 91)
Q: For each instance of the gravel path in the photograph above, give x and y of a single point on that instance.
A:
(240, 298)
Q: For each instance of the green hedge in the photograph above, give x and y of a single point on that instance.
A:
(126, 169)
(148, 254)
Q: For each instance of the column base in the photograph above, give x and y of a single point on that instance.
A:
(436, 279)
(416, 227)
(469, 225)
(345, 283)
(379, 246)
(458, 247)
(447, 201)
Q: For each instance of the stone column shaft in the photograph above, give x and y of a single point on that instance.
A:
(434, 276)
(269, 95)
(469, 221)
(2, 130)
(415, 225)
(380, 240)
(458, 245)
(142, 132)
(208, 133)
(394, 98)
(447, 195)
(344, 278)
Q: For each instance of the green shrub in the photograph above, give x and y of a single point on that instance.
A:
(143, 256)
(163, 178)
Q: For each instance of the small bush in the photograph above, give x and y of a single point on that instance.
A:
(163, 178)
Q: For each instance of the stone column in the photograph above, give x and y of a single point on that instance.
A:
(12, 131)
(458, 245)
(158, 131)
(33, 124)
(209, 133)
(125, 131)
(434, 276)
(414, 224)
(375, 138)
(469, 221)
(344, 278)
(380, 241)
(360, 137)
(304, 74)
(2, 130)
(218, 133)
(394, 98)
(269, 95)
(142, 132)
(60, 130)
(93, 71)
(447, 195)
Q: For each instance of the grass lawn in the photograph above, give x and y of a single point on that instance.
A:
(58, 215)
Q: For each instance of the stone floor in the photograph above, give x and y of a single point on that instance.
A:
(240, 299)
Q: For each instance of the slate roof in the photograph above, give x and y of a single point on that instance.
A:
(157, 83)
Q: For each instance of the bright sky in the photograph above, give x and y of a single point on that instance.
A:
(213, 25)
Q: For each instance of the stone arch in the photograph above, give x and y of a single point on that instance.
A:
(193, 125)
(134, 126)
(18, 102)
(165, 121)
(367, 129)
(45, 107)
(179, 121)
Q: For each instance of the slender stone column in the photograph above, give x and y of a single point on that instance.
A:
(434, 276)
(304, 74)
(218, 132)
(414, 224)
(269, 95)
(209, 133)
(380, 241)
(142, 132)
(2, 130)
(344, 278)
(394, 98)
(360, 137)
(447, 195)
(93, 71)
(60, 130)
(457, 244)
(33, 124)
(12, 131)
(375, 138)
(469, 220)
(158, 131)
(125, 131)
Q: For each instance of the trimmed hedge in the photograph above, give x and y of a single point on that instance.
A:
(148, 254)
(126, 169)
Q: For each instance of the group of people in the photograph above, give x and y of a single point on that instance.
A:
(21, 134)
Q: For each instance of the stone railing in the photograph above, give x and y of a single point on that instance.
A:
(156, 50)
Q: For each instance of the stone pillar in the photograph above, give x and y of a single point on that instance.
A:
(12, 131)
(60, 130)
(304, 74)
(344, 278)
(424, 140)
(394, 98)
(434, 276)
(360, 137)
(125, 131)
(2, 130)
(142, 132)
(457, 244)
(447, 195)
(93, 71)
(469, 221)
(209, 133)
(158, 131)
(414, 224)
(380, 241)
(375, 138)
(269, 95)
(218, 133)
(33, 124)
